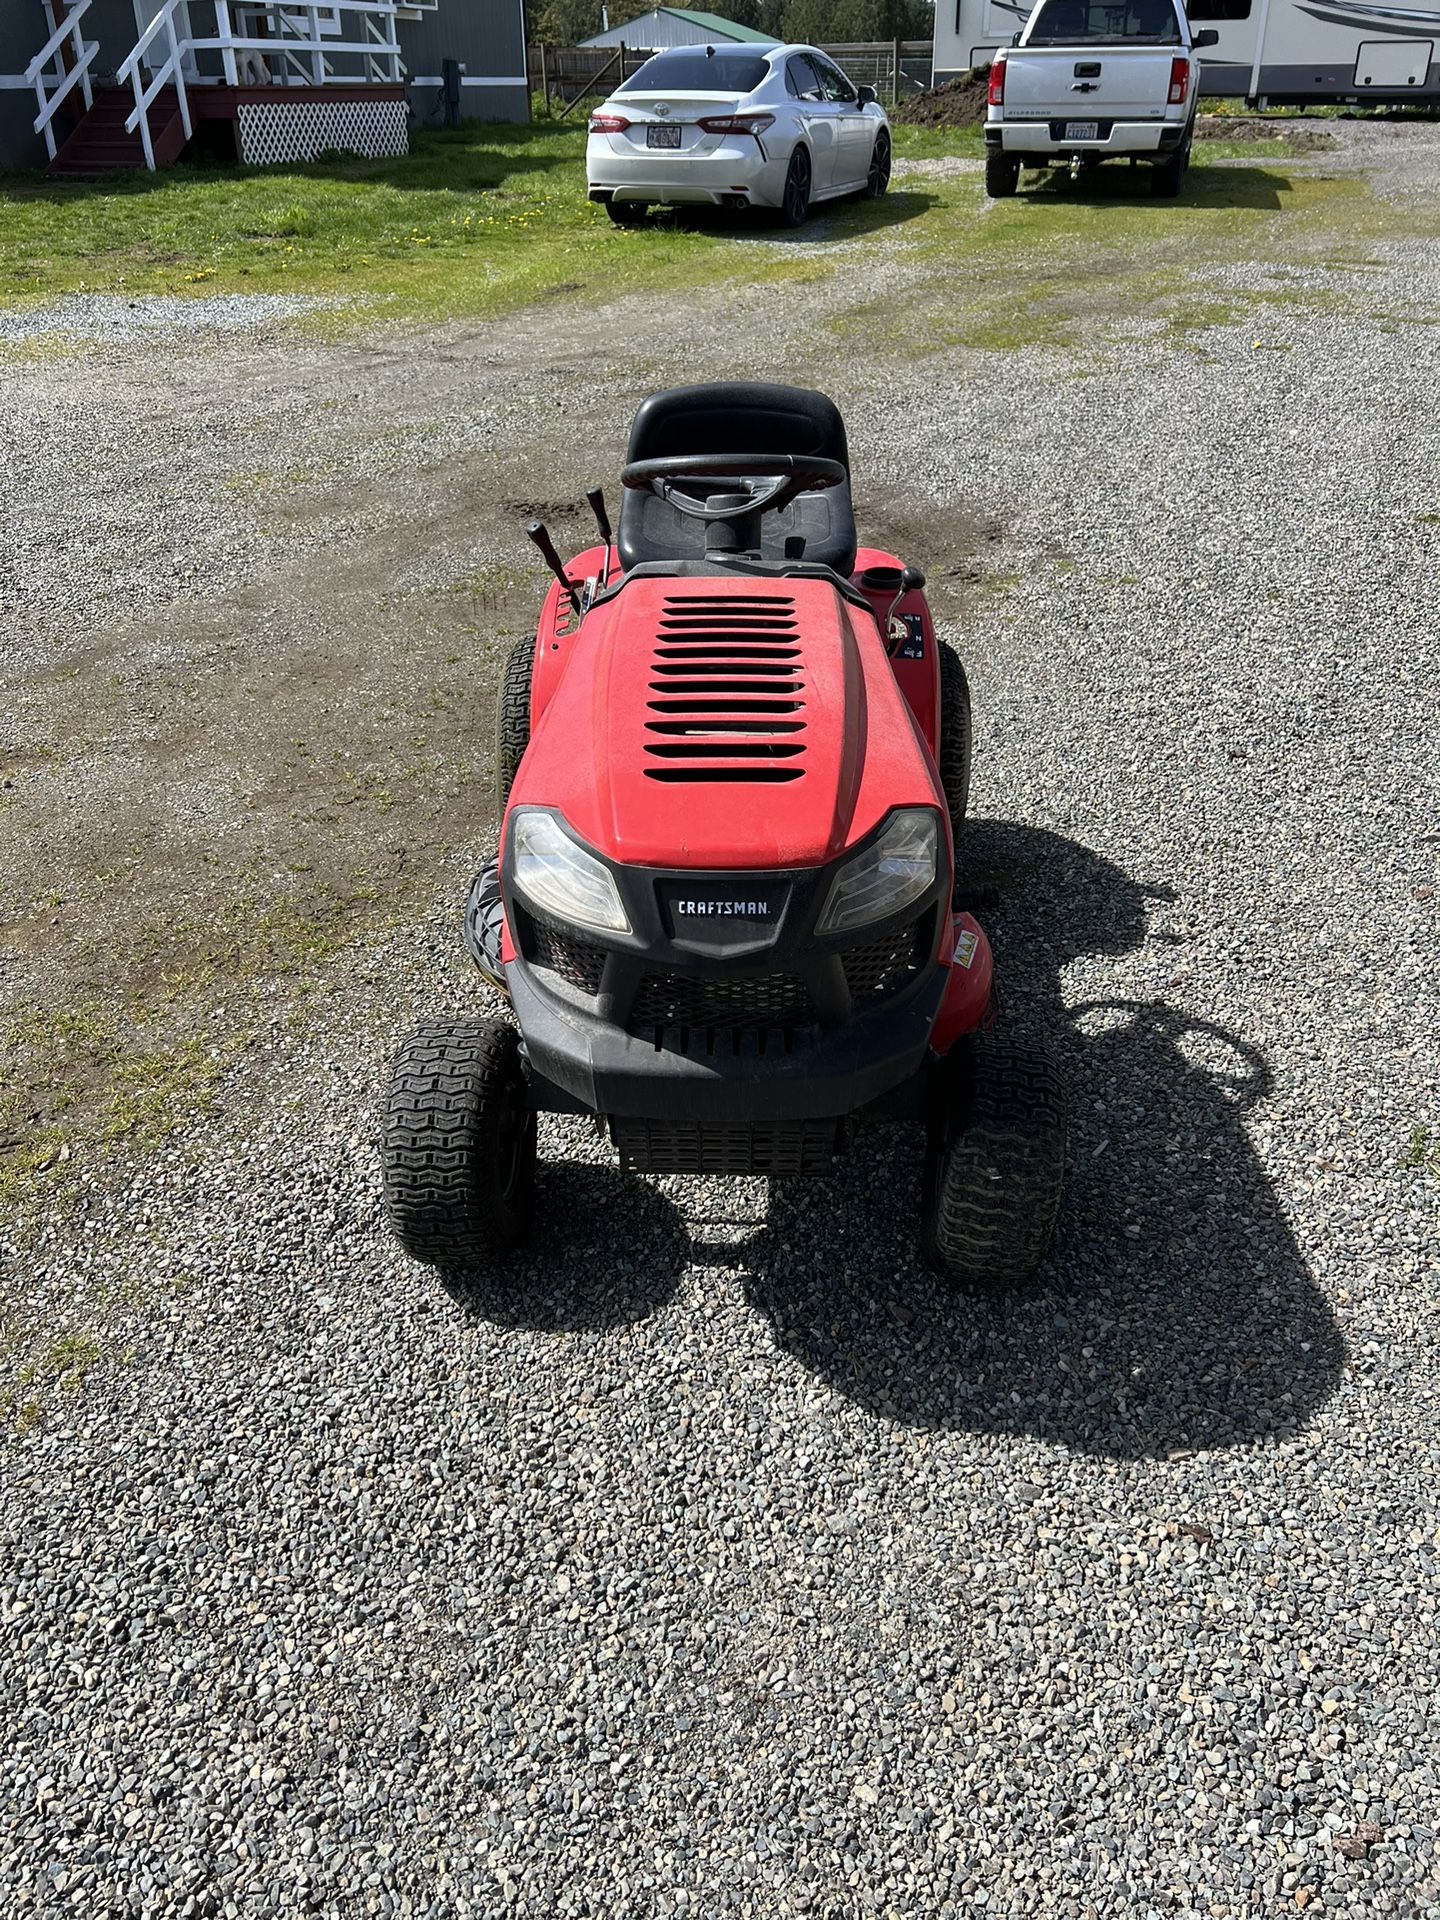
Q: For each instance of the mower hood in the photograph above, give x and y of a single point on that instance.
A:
(723, 723)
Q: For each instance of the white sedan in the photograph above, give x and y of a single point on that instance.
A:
(749, 126)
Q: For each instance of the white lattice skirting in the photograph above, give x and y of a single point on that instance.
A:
(271, 135)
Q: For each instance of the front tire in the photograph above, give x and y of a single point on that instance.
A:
(878, 178)
(995, 1164)
(1002, 176)
(795, 200)
(956, 738)
(459, 1144)
(512, 718)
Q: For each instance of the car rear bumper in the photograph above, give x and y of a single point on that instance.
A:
(735, 169)
(1046, 138)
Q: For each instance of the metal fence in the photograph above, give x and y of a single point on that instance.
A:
(567, 75)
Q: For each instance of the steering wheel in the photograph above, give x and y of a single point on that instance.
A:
(789, 474)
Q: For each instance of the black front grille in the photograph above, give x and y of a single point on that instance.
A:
(654, 1146)
(574, 960)
(884, 965)
(748, 1001)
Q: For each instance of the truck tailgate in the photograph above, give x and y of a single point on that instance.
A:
(1087, 83)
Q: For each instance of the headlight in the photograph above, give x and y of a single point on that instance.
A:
(890, 873)
(556, 874)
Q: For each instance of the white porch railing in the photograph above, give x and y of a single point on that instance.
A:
(54, 88)
(169, 71)
(295, 51)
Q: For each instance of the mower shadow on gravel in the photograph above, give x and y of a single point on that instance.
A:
(1175, 1310)
(606, 1251)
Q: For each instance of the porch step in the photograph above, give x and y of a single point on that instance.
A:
(100, 143)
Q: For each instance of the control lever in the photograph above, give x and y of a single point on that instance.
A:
(539, 533)
(596, 497)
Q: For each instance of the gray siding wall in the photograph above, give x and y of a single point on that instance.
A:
(20, 146)
(488, 38)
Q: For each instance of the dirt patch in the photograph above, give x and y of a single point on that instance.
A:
(958, 103)
(1296, 134)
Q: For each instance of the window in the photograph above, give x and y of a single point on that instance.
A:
(1073, 23)
(1218, 10)
(692, 70)
(801, 79)
(837, 87)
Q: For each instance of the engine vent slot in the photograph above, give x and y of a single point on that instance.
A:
(730, 664)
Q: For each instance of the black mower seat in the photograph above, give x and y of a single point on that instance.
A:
(739, 416)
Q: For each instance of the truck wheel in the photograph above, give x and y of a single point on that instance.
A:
(995, 1164)
(459, 1144)
(956, 738)
(512, 718)
(1002, 176)
(1165, 181)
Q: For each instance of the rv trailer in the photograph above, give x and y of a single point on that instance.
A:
(1273, 52)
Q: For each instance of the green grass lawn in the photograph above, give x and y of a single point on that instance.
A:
(473, 221)
(484, 219)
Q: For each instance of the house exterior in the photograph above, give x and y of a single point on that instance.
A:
(677, 27)
(91, 85)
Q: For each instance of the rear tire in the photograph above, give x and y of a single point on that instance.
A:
(878, 178)
(627, 213)
(1002, 176)
(1165, 181)
(459, 1144)
(956, 739)
(995, 1164)
(795, 200)
(512, 718)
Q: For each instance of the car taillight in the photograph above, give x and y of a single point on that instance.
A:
(738, 123)
(1179, 82)
(996, 96)
(609, 123)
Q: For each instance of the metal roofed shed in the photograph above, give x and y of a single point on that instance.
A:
(666, 27)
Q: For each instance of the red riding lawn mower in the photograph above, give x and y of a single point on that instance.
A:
(733, 765)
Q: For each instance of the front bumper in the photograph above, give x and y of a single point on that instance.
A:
(723, 1077)
(737, 167)
(1115, 139)
(724, 1003)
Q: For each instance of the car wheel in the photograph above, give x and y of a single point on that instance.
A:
(795, 200)
(627, 213)
(1002, 176)
(995, 1164)
(1165, 181)
(878, 178)
(459, 1144)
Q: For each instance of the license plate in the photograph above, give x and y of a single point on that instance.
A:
(662, 136)
(1082, 129)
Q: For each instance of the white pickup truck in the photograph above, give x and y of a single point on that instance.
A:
(1093, 80)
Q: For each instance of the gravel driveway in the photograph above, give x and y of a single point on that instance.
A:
(714, 1561)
